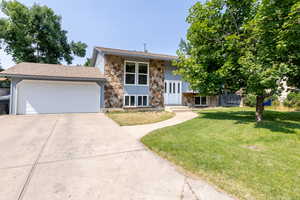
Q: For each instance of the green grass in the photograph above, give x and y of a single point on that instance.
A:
(138, 118)
(229, 149)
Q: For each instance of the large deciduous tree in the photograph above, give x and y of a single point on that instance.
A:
(248, 45)
(35, 35)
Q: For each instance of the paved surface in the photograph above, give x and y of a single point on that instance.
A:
(85, 156)
(139, 131)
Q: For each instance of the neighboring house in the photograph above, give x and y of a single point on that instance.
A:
(118, 79)
(4, 96)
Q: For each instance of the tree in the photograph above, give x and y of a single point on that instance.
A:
(35, 35)
(88, 62)
(242, 45)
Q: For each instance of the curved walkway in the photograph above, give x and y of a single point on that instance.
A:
(141, 130)
(192, 188)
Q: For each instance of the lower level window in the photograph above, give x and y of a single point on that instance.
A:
(200, 101)
(129, 100)
(136, 100)
(142, 100)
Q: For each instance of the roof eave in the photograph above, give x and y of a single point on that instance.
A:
(140, 56)
(40, 77)
(135, 55)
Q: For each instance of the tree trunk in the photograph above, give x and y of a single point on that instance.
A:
(259, 108)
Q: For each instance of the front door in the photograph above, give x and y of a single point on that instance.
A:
(173, 92)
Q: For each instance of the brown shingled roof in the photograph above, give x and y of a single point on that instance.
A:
(136, 53)
(52, 71)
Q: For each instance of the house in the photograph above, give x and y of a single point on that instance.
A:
(118, 79)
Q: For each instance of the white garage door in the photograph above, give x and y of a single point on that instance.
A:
(43, 97)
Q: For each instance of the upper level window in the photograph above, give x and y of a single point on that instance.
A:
(143, 74)
(130, 73)
(136, 73)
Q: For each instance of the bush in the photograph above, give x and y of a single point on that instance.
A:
(293, 100)
(250, 100)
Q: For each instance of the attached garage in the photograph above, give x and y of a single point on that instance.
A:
(42, 97)
(48, 89)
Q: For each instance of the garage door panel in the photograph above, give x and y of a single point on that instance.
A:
(57, 97)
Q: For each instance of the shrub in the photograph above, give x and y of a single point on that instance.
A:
(250, 100)
(293, 100)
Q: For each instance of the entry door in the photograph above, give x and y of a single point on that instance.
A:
(173, 92)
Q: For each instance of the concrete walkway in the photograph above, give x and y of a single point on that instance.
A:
(139, 131)
(192, 188)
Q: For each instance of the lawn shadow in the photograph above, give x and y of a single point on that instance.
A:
(285, 122)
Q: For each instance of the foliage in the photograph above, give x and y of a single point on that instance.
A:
(250, 100)
(6, 83)
(229, 149)
(242, 44)
(35, 35)
(88, 62)
(293, 100)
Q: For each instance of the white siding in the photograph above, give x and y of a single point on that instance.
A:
(100, 62)
(43, 97)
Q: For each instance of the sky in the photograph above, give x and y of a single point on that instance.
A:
(124, 24)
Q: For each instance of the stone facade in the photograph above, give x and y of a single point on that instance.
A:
(188, 99)
(114, 87)
(156, 83)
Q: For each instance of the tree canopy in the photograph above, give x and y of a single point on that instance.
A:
(35, 35)
(251, 45)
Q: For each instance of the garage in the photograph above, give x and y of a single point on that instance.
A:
(54, 89)
(44, 97)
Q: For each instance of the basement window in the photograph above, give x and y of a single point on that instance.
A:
(200, 101)
(129, 100)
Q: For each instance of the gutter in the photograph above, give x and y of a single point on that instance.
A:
(37, 77)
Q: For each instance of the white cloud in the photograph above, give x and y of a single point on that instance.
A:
(6, 60)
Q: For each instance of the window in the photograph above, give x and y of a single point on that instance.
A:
(136, 73)
(178, 88)
(166, 87)
(135, 100)
(142, 101)
(200, 101)
(130, 73)
(174, 91)
(143, 74)
(129, 100)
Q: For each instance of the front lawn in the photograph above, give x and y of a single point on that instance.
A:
(138, 118)
(229, 149)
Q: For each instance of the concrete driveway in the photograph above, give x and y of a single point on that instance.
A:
(85, 156)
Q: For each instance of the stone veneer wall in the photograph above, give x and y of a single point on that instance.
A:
(188, 100)
(156, 83)
(114, 90)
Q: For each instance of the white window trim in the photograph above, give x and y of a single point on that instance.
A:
(129, 100)
(137, 96)
(136, 74)
(201, 101)
(136, 100)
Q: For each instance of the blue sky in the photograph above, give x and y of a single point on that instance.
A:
(125, 24)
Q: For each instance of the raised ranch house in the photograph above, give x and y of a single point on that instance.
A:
(118, 79)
